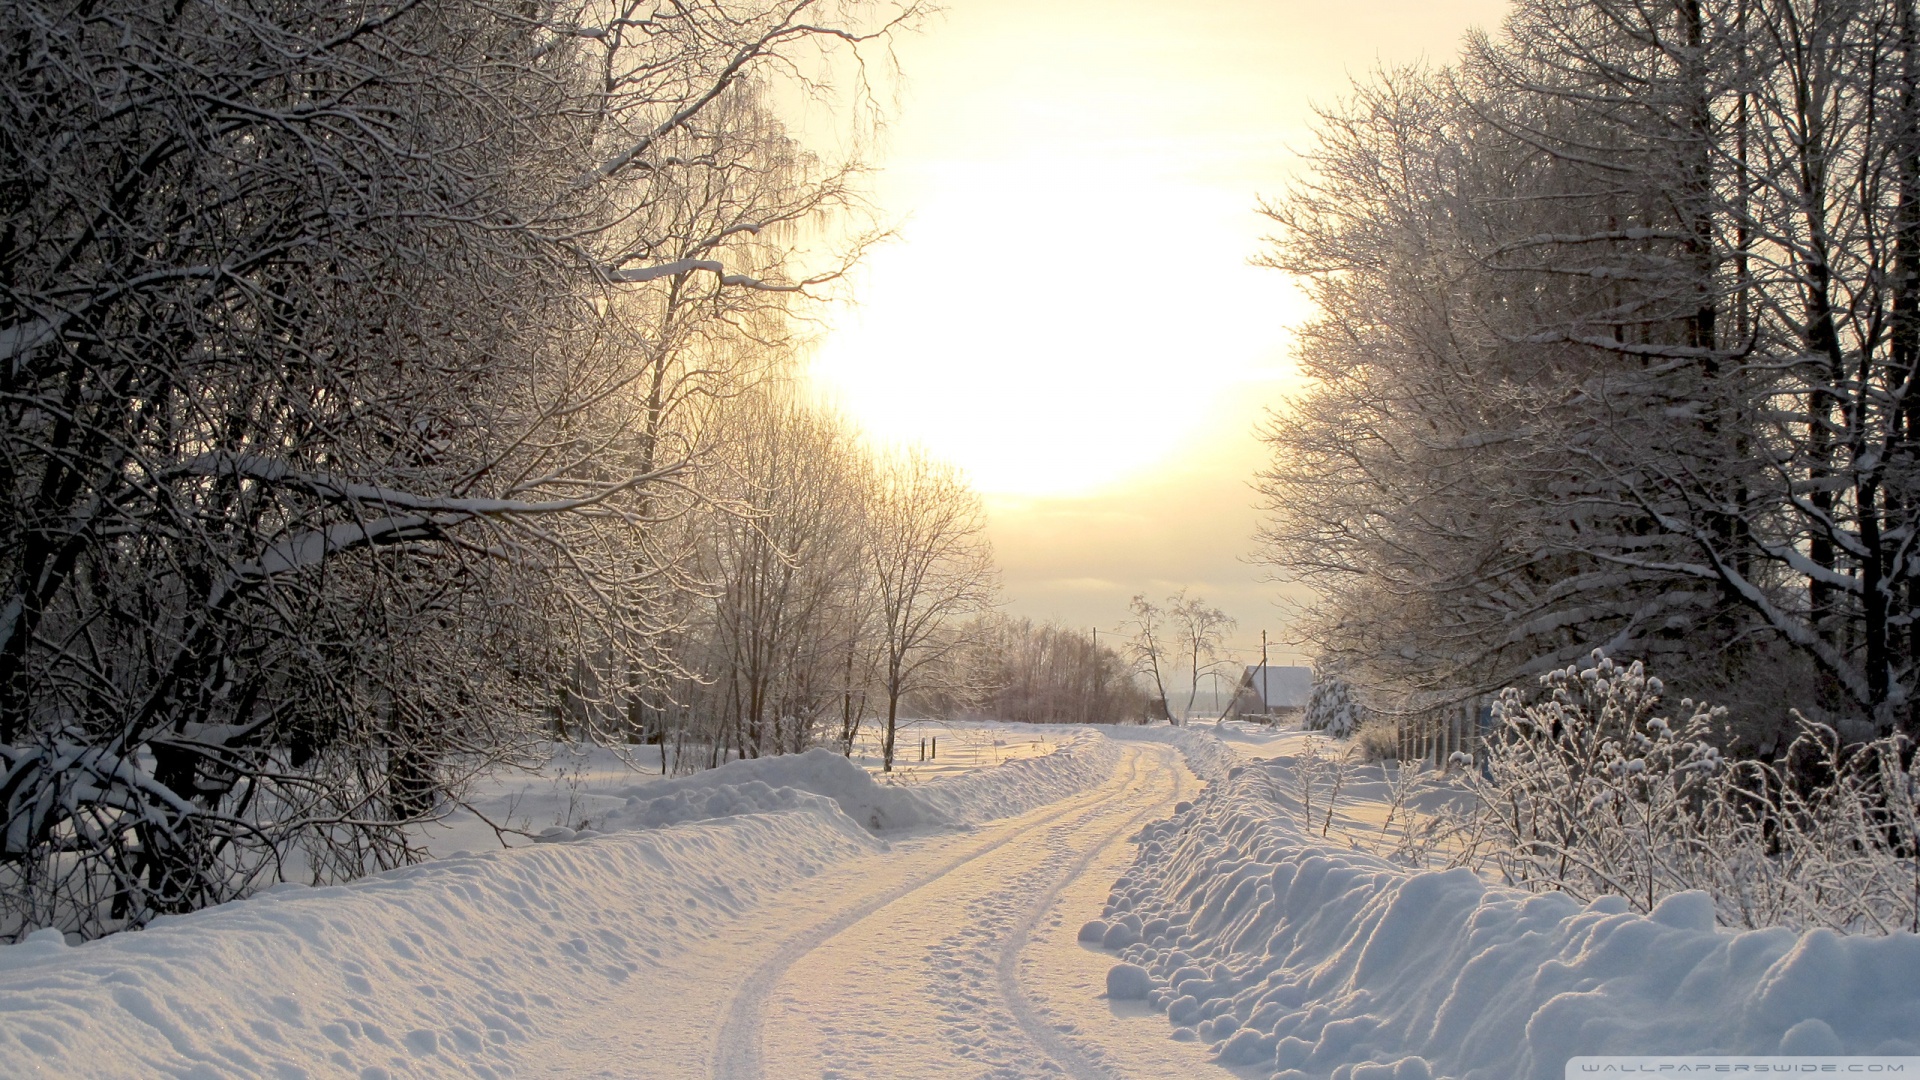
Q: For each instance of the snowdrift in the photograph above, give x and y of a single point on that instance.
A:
(450, 968)
(762, 785)
(457, 966)
(1079, 760)
(1288, 954)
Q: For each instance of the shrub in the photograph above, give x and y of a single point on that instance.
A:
(1378, 740)
(1587, 791)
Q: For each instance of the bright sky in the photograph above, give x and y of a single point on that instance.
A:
(1069, 312)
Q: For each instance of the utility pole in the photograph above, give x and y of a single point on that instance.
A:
(1093, 692)
(1264, 703)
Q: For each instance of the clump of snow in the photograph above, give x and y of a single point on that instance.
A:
(1128, 982)
(1285, 953)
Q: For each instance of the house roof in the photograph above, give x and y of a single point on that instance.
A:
(1280, 687)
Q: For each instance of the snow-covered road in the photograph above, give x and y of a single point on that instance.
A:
(958, 959)
(949, 955)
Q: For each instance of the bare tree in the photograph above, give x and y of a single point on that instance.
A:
(1047, 674)
(785, 569)
(931, 566)
(1147, 646)
(1199, 631)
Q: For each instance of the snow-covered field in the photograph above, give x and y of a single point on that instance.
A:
(1085, 913)
(953, 747)
(581, 781)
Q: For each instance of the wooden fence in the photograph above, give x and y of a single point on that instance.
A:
(1436, 736)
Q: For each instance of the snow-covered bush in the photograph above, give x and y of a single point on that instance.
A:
(1585, 790)
(1331, 708)
(1378, 739)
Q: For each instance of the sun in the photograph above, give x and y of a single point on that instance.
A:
(1023, 329)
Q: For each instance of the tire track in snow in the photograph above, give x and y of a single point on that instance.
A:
(1049, 1039)
(737, 1046)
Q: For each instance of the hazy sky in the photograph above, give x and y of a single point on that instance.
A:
(1069, 312)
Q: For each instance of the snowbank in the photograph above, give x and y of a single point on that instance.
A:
(580, 786)
(457, 966)
(450, 968)
(761, 785)
(1083, 757)
(1314, 961)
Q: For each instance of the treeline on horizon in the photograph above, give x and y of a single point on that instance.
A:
(1619, 324)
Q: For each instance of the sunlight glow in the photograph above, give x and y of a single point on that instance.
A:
(1068, 310)
(1069, 304)
(1047, 348)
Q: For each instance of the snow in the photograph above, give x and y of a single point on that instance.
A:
(796, 781)
(797, 916)
(955, 746)
(579, 784)
(967, 967)
(54, 780)
(1252, 738)
(570, 785)
(768, 784)
(1201, 748)
(1281, 951)
(458, 967)
(472, 965)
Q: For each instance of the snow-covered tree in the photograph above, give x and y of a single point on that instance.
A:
(1046, 674)
(326, 461)
(788, 571)
(1616, 351)
(1331, 708)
